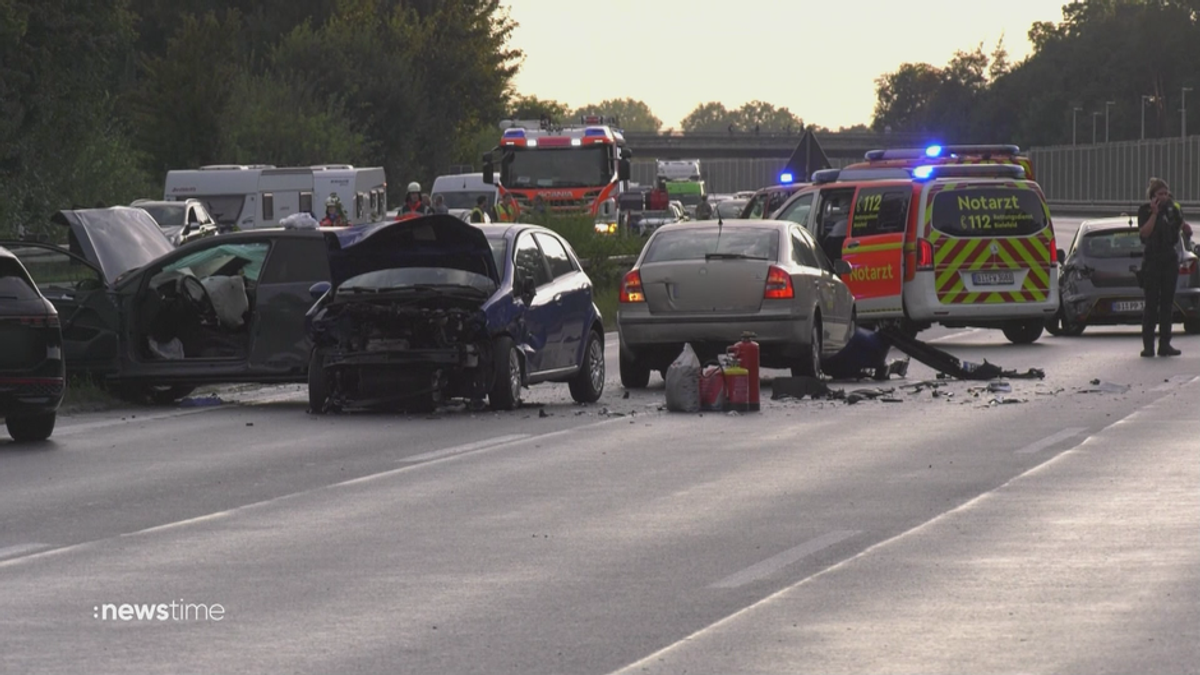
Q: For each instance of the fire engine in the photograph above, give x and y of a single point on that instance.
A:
(560, 168)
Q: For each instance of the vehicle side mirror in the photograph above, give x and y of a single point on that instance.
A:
(624, 169)
(842, 268)
(1062, 255)
(319, 289)
(489, 169)
(527, 287)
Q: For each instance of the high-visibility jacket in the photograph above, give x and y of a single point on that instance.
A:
(477, 215)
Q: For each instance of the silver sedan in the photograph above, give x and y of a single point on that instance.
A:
(705, 283)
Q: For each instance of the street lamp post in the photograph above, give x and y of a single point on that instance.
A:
(1145, 99)
(1107, 104)
(1074, 112)
(1183, 111)
(1094, 116)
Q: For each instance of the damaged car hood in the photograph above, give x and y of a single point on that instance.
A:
(438, 241)
(116, 240)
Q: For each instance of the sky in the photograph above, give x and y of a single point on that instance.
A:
(817, 58)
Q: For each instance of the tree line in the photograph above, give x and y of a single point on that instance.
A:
(637, 116)
(1108, 62)
(99, 98)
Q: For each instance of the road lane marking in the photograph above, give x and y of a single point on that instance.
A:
(1175, 383)
(955, 335)
(779, 561)
(468, 447)
(43, 554)
(21, 549)
(180, 523)
(658, 654)
(1051, 440)
(66, 430)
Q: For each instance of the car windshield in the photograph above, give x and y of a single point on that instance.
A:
(14, 285)
(699, 244)
(1113, 244)
(465, 200)
(400, 278)
(730, 208)
(566, 167)
(166, 215)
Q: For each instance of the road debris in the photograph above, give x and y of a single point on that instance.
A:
(201, 401)
(949, 365)
(798, 388)
(1102, 387)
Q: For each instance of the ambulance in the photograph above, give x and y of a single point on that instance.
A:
(959, 236)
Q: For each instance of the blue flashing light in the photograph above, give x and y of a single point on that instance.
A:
(786, 177)
(514, 133)
(933, 151)
(923, 172)
(592, 133)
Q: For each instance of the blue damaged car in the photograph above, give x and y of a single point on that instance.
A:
(425, 310)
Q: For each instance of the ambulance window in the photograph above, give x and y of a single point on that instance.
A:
(268, 201)
(798, 210)
(881, 210)
(835, 208)
(802, 251)
(988, 212)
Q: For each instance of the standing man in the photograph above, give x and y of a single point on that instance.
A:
(704, 210)
(506, 210)
(439, 204)
(1160, 223)
(479, 213)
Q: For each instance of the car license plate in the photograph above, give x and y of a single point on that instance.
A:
(992, 278)
(1129, 306)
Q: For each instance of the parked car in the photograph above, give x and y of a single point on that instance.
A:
(32, 374)
(765, 202)
(704, 283)
(431, 309)
(154, 321)
(181, 221)
(731, 208)
(645, 223)
(1098, 281)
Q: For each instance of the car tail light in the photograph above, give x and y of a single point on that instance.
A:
(1187, 267)
(1053, 251)
(924, 255)
(631, 288)
(779, 285)
(39, 321)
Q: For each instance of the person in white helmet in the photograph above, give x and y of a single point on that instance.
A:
(335, 215)
(413, 204)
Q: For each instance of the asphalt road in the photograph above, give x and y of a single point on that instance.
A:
(1057, 532)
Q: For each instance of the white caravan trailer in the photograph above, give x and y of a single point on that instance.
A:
(260, 196)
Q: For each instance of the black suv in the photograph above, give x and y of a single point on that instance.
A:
(32, 370)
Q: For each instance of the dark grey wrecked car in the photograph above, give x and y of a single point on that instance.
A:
(152, 320)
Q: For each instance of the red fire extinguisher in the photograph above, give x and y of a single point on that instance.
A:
(746, 352)
(737, 385)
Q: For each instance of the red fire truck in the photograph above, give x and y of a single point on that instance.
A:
(560, 168)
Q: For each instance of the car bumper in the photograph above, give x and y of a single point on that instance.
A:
(1097, 309)
(922, 304)
(20, 395)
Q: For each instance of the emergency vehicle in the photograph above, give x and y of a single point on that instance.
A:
(683, 181)
(252, 196)
(566, 169)
(959, 236)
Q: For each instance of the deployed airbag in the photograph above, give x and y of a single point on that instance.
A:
(229, 300)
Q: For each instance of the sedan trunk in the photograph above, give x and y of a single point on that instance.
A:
(692, 286)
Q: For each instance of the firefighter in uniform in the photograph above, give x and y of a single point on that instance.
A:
(335, 215)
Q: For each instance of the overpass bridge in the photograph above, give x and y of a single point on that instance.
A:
(844, 146)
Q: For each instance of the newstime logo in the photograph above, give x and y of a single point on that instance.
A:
(176, 610)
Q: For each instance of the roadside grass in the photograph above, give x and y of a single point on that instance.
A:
(606, 301)
(84, 394)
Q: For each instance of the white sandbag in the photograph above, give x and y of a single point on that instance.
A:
(228, 295)
(683, 382)
(300, 221)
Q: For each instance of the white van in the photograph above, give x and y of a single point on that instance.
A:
(461, 190)
(248, 197)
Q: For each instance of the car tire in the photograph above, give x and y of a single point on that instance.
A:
(1072, 328)
(318, 384)
(31, 428)
(1191, 326)
(506, 388)
(634, 374)
(1054, 325)
(588, 383)
(1024, 332)
(810, 366)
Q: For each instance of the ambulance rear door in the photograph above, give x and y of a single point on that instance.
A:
(874, 248)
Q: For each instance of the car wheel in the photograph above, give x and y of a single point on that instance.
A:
(634, 375)
(588, 383)
(1191, 326)
(1054, 325)
(506, 389)
(810, 366)
(1024, 332)
(31, 428)
(318, 384)
(1072, 328)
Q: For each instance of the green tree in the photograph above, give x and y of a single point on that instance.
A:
(534, 108)
(707, 117)
(765, 117)
(633, 115)
(904, 97)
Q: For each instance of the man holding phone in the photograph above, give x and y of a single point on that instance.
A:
(1160, 223)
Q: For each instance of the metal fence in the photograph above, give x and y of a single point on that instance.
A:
(728, 175)
(1117, 173)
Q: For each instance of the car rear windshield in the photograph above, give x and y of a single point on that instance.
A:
(696, 244)
(14, 283)
(1114, 244)
(988, 212)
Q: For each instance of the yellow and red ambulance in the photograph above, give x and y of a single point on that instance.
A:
(957, 235)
